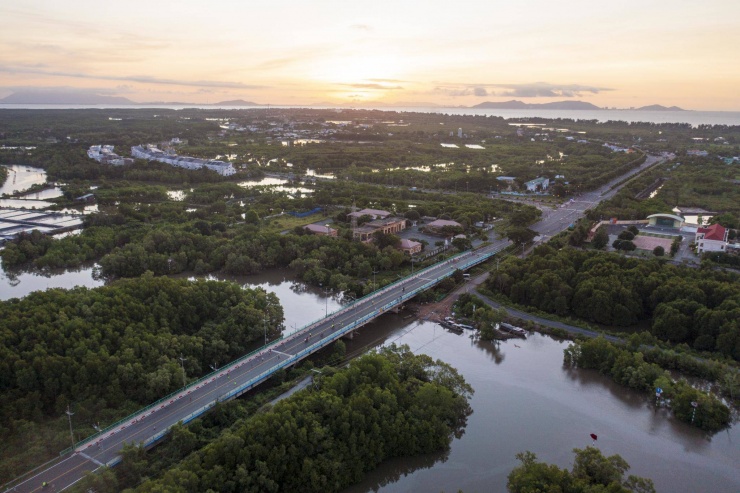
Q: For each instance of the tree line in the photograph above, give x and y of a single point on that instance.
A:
(387, 404)
(630, 369)
(697, 307)
(112, 349)
(592, 472)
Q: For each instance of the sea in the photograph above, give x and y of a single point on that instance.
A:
(693, 118)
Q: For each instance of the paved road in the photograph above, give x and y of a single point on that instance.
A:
(238, 377)
(151, 424)
(556, 220)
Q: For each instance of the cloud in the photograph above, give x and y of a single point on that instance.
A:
(361, 27)
(101, 91)
(389, 81)
(531, 90)
(368, 85)
(144, 79)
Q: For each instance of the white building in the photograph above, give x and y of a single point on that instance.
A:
(104, 155)
(151, 153)
(538, 184)
(711, 239)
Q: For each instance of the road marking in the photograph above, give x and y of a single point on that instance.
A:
(91, 459)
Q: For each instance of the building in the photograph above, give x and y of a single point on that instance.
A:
(666, 220)
(410, 246)
(389, 226)
(697, 152)
(374, 213)
(319, 229)
(436, 227)
(104, 155)
(711, 239)
(539, 184)
(152, 153)
(459, 133)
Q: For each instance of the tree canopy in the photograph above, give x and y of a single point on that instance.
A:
(386, 404)
(591, 473)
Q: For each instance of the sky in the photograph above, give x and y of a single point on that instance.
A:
(295, 52)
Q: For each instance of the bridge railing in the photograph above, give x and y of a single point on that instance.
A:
(405, 296)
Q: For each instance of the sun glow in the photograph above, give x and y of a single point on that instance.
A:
(360, 71)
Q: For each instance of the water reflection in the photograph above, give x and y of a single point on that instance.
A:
(21, 177)
(302, 304)
(20, 283)
(393, 470)
(529, 401)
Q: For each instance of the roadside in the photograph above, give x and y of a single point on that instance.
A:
(435, 312)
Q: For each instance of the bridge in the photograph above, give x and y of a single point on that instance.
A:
(149, 425)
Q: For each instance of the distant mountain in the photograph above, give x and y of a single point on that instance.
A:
(520, 105)
(658, 107)
(62, 97)
(236, 102)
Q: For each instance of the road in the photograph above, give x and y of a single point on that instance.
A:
(150, 424)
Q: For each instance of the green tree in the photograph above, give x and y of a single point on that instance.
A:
(601, 238)
(591, 473)
(520, 235)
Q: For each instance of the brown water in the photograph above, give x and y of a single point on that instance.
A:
(526, 400)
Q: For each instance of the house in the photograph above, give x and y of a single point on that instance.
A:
(320, 229)
(389, 226)
(410, 246)
(539, 184)
(374, 213)
(711, 239)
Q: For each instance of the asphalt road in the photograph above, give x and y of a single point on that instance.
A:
(240, 376)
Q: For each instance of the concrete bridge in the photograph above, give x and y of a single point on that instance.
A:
(150, 424)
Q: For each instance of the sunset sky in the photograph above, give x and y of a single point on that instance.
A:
(618, 53)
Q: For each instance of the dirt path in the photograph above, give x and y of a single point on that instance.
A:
(441, 309)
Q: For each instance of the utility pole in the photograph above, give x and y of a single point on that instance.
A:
(182, 364)
(326, 301)
(71, 433)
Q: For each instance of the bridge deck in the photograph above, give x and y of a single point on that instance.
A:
(149, 425)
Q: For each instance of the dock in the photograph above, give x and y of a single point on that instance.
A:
(512, 329)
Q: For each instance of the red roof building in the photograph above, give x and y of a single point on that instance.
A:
(711, 239)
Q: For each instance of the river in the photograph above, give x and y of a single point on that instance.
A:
(524, 400)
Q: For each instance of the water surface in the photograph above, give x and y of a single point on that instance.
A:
(526, 400)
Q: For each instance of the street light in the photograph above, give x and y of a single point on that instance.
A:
(374, 272)
(182, 364)
(326, 301)
(71, 433)
(265, 327)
